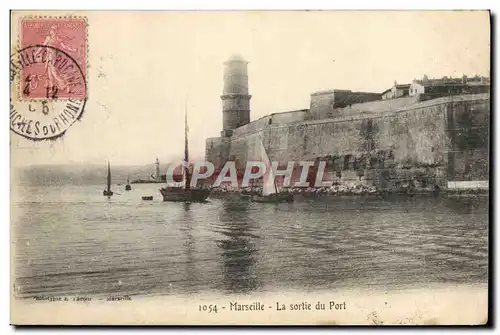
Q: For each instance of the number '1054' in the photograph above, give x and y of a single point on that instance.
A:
(208, 308)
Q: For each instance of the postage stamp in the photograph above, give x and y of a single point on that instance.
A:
(48, 76)
(60, 57)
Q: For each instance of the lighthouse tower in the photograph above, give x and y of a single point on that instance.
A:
(235, 97)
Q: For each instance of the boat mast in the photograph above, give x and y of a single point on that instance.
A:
(186, 146)
(109, 178)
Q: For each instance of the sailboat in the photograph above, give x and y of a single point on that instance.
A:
(128, 187)
(270, 191)
(185, 193)
(107, 192)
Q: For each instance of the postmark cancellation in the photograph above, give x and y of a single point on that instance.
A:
(48, 76)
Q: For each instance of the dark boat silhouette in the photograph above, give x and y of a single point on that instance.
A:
(128, 187)
(107, 192)
(185, 193)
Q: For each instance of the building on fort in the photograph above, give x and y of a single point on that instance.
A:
(396, 91)
(450, 86)
(436, 133)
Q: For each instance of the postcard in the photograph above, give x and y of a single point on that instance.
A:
(250, 167)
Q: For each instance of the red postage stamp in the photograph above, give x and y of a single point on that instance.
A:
(58, 58)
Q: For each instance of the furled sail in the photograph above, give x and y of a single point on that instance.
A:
(109, 178)
(185, 171)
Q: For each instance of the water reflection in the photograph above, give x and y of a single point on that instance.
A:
(238, 250)
(467, 205)
(189, 244)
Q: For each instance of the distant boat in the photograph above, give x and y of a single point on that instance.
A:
(128, 187)
(185, 193)
(150, 197)
(270, 191)
(107, 192)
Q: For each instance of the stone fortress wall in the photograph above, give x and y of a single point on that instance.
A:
(366, 140)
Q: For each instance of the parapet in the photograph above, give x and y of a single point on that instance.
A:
(325, 102)
(272, 119)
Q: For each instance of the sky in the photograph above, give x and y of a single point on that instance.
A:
(145, 66)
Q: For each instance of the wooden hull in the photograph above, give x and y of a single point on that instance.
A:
(273, 198)
(183, 195)
(147, 198)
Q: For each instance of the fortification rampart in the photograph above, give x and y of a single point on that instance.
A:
(380, 147)
(272, 120)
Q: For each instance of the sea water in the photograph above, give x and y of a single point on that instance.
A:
(71, 240)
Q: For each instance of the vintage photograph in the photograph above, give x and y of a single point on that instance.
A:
(250, 167)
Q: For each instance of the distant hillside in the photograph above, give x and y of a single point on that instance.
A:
(44, 175)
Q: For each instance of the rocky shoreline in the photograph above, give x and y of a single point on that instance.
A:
(354, 190)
